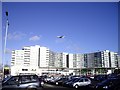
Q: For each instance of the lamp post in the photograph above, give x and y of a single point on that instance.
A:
(6, 31)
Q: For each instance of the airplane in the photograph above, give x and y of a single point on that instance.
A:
(61, 36)
(6, 13)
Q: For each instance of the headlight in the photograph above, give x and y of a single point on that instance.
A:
(42, 83)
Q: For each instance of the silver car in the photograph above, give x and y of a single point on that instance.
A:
(82, 82)
(22, 82)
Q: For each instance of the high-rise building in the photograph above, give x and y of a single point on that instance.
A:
(70, 60)
(51, 59)
(61, 60)
(78, 60)
(44, 57)
(37, 59)
(113, 59)
(105, 58)
(29, 59)
(101, 59)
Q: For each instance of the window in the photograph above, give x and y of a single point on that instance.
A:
(13, 81)
(81, 80)
(86, 80)
(24, 69)
(26, 79)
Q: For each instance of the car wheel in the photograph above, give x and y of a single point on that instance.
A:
(76, 86)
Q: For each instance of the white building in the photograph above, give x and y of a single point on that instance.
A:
(64, 60)
(29, 60)
(78, 60)
(61, 60)
(70, 60)
(105, 58)
(113, 59)
(43, 57)
(38, 60)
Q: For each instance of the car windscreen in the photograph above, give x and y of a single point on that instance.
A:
(5, 79)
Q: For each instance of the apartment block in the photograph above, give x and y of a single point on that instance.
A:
(29, 59)
(37, 59)
(101, 59)
(61, 60)
(78, 60)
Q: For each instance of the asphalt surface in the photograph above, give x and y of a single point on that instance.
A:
(55, 87)
(49, 86)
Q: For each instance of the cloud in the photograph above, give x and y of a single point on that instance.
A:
(16, 35)
(34, 38)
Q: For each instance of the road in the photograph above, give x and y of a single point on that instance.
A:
(49, 86)
(54, 87)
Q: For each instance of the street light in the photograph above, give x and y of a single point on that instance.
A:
(6, 31)
(7, 25)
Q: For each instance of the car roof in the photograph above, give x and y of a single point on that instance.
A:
(24, 75)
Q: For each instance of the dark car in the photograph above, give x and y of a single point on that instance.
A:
(100, 77)
(22, 82)
(61, 81)
(109, 84)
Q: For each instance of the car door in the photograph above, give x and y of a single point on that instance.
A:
(13, 82)
(81, 82)
(86, 81)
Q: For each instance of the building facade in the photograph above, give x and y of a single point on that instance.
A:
(38, 60)
(29, 60)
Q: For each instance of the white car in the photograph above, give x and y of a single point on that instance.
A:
(82, 82)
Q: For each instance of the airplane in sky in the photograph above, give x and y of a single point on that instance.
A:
(60, 36)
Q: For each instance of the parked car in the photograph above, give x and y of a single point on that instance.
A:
(22, 82)
(109, 84)
(81, 82)
(100, 77)
(69, 83)
(48, 79)
(60, 81)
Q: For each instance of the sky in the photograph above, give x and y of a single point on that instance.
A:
(87, 26)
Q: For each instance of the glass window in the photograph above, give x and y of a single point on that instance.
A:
(26, 79)
(86, 80)
(81, 80)
(13, 81)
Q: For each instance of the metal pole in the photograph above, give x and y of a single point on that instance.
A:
(6, 31)
(7, 24)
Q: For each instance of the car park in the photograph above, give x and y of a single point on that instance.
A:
(22, 82)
